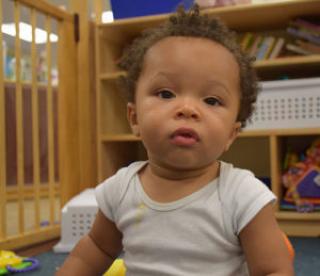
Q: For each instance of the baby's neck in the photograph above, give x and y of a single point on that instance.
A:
(170, 173)
(165, 184)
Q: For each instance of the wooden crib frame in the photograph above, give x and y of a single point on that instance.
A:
(74, 144)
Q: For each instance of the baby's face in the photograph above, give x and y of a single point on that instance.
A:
(187, 101)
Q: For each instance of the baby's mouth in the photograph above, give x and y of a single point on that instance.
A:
(184, 137)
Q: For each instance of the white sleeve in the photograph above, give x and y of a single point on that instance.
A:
(250, 197)
(243, 196)
(109, 193)
(106, 193)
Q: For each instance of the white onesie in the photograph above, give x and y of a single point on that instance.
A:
(196, 235)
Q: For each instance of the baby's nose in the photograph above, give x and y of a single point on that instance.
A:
(187, 111)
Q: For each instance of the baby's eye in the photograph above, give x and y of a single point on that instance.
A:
(165, 94)
(212, 101)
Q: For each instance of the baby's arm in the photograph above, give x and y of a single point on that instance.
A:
(96, 251)
(263, 243)
(264, 247)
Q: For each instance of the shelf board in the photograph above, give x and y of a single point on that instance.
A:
(29, 83)
(239, 17)
(245, 133)
(290, 61)
(278, 63)
(119, 138)
(280, 132)
(290, 215)
(111, 76)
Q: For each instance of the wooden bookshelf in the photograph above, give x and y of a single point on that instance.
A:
(261, 151)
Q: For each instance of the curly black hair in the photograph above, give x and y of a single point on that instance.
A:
(191, 24)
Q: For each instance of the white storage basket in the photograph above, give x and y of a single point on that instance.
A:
(77, 218)
(287, 104)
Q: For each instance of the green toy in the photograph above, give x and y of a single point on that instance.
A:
(11, 263)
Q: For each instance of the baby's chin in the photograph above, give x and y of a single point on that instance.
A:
(183, 165)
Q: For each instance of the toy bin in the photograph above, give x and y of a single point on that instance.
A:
(77, 218)
(129, 8)
(287, 104)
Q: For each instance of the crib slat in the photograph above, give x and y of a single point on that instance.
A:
(35, 122)
(98, 8)
(3, 177)
(50, 121)
(19, 118)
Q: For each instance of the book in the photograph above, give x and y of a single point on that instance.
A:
(255, 45)
(304, 35)
(304, 28)
(277, 48)
(308, 46)
(309, 23)
(297, 50)
(246, 41)
(265, 47)
(270, 48)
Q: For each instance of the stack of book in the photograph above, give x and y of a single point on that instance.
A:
(305, 32)
(301, 37)
(262, 46)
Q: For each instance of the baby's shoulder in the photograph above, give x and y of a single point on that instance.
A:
(118, 183)
(231, 175)
(238, 183)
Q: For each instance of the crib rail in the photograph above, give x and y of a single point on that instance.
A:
(41, 124)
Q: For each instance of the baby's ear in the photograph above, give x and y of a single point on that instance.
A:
(132, 118)
(233, 135)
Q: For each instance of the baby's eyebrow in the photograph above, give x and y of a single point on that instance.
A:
(217, 83)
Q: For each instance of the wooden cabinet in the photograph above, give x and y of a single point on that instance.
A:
(260, 151)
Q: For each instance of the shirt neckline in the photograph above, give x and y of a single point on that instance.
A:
(210, 188)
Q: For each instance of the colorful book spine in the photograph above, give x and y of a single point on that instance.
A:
(246, 41)
(308, 46)
(277, 48)
(265, 47)
(304, 35)
(307, 24)
(298, 50)
(255, 45)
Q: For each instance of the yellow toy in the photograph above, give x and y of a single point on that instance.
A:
(9, 258)
(11, 263)
(116, 269)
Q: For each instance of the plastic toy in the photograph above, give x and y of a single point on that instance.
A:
(116, 269)
(302, 178)
(11, 263)
(289, 246)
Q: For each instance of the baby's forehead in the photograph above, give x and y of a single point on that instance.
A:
(185, 40)
(182, 52)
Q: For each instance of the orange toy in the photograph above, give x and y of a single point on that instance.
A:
(289, 246)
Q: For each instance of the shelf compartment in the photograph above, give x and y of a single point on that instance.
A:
(251, 153)
(297, 144)
(115, 155)
(113, 109)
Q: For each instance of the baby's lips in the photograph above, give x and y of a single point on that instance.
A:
(186, 132)
(184, 137)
